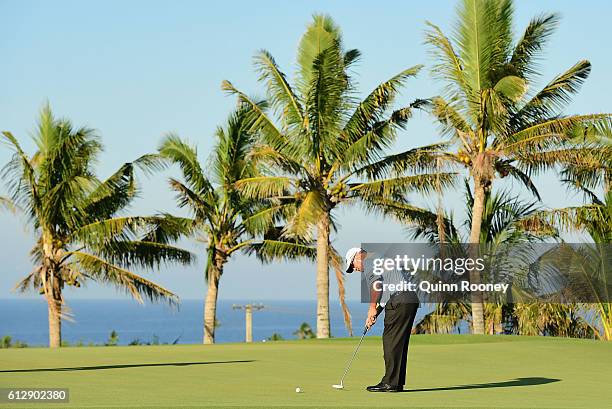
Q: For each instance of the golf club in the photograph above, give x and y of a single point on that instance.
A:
(365, 330)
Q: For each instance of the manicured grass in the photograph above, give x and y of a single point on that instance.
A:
(454, 371)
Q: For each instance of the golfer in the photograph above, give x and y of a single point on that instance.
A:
(400, 310)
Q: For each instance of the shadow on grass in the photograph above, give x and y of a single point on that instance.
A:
(95, 368)
(505, 384)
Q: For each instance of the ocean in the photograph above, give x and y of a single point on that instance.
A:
(26, 320)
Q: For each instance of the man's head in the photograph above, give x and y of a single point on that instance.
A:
(355, 258)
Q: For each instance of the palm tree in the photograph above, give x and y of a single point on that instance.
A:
(226, 220)
(304, 331)
(326, 148)
(275, 337)
(503, 223)
(80, 236)
(594, 218)
(498, 129)
(552, 319)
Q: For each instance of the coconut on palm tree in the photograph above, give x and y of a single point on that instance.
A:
(326, 148)
(497, 127)
(228, 221)
(80, 232)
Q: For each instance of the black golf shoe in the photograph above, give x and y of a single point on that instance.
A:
(384, 387)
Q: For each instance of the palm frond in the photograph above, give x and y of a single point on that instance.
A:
(32, 280)
(149, 164)
(308, 212)
(419, 159)
(142, 254)
(587, 175)
(553, 97)
(373, 107)
(71, 156)
(568, 127)
(584, 157)
(569, 218)
(113, 194)
(166, 228)
(282, 97)
(483, 33)
(505, 168)
(532, 43)
(401, 210)
(511, 87)
(101, 231)
(449, 117)
(261, 122)
(268, 156)
(139, 287)
(202, 205)
(261, 219)
(7, 204)
(324, 106)
(450, 68)
(402, 185)
(263, 187)
(351, 56)
(61, 205)
(321, 34)
(230, 161)
(336, 262)
(21, 177)
(179, 152)
(269, 250)
(369, 146)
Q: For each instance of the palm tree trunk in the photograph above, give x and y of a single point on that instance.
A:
(478, 324)
(342, 297)
(440, 212)
(54, 307)
(605, 312)
(323, 277)
(210, 305)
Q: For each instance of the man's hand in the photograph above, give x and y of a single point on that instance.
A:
(372, 313)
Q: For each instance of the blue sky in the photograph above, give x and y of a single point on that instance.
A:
(137, 70)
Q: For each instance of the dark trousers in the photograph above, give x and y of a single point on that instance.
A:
(400, 311)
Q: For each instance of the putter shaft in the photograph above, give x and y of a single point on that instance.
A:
(365, 331)
(353, 357)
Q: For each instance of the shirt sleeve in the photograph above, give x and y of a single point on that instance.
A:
(371, 278)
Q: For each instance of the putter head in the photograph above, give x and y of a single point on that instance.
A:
(338, 386)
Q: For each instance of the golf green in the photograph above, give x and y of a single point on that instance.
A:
(450, 371)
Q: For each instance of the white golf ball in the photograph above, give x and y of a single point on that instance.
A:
(298, 389)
